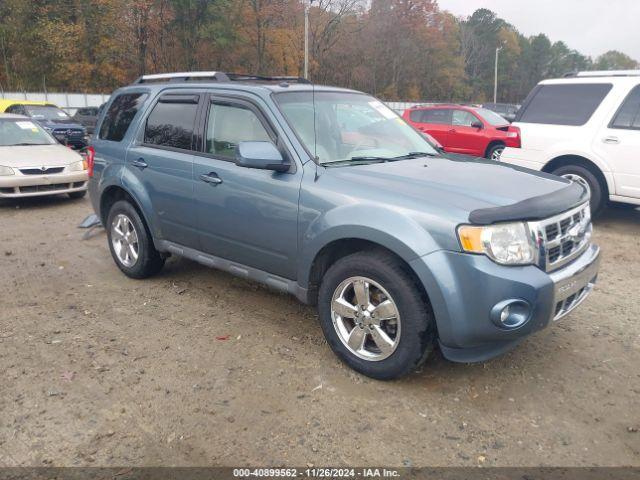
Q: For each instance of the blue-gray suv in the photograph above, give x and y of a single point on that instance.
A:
(327, 194)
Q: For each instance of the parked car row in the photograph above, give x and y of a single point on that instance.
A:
(34, 163)
(53, 119)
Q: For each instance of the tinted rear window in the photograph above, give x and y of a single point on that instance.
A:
(439, 116)
(628, 116)
(120, 115)
(564, 104)
(171, 123)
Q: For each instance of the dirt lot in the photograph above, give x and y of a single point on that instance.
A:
(101, 370)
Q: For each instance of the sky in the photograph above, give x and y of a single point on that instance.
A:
(590, 26)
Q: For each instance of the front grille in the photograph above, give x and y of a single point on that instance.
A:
(564, 306)
(44, 188)
(67, 132)
(41, 171)
(563, 237)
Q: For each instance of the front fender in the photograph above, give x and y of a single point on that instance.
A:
(601, 163)
(384, 226)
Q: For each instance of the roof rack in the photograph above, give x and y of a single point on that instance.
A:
(183, 77)
(216, 77)
(604, 73)
(242, 77)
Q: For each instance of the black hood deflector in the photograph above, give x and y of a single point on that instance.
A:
(535, 208)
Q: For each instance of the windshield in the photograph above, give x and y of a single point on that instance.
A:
(350, 126)
(23, 132)
(42, 112)
(491, 117)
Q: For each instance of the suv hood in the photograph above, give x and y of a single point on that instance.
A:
(471, 190)
(21, 156)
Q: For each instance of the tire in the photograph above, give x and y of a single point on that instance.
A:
(582, 174)
(496, 150)
(414, 325)
(77, 195)
(123, 218)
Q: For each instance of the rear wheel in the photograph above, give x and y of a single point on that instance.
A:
(374, 316)
(130, 243)
(585, 177)
(495, 152)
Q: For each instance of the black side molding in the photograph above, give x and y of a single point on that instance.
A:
(535, 208)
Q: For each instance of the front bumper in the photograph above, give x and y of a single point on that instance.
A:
(19, 186)
(464, 289)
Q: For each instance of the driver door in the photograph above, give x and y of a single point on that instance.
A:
(245, 215)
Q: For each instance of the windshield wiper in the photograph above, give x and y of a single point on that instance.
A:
(415, 155)
(358, 159)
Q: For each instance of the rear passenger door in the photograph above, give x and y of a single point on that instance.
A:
(161, 160)
(249, 216)
(437, 123)
(619, 143)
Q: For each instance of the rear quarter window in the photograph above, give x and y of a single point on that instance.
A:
(628, 116)
(567, 104)
(120, 115)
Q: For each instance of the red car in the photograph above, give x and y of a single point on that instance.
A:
(460, 129)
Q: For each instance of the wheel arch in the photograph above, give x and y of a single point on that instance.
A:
(579, 160)
(339, 248)
(492, 144)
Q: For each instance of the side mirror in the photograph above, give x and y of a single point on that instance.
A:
(477, 124)
(262, 155)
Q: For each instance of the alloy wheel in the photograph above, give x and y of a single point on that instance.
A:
(579, 180)
(365, 318)
(124, 239)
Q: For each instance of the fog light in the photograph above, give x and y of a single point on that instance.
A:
(511, 314)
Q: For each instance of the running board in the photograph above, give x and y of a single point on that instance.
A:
(243, 271)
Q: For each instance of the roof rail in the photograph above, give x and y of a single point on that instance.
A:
(215, 76)
(183, 77)
(243, 77)
(604, 73)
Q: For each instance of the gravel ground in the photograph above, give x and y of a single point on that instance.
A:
(195, 367)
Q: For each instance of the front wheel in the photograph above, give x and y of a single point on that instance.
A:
(584, 177)
(374, 315)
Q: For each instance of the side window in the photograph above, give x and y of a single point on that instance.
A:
(416, 116)
(462, 118)
(172, 122)
(628, 117)
(120, 115)
(16, 109)
(228, 125)
(564, 104)
(437, 115)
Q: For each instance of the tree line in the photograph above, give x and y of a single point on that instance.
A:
(394, 49)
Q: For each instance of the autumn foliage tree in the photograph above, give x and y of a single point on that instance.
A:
(395, 49)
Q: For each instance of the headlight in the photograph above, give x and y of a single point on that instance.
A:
(505, 243)
(77, 166)
(4, 171)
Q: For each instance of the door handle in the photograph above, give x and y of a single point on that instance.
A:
(453, 130)
(211, 178)
(140, 163)
(611, 140)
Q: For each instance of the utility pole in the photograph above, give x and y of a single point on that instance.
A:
(495, 78)
(307, 6)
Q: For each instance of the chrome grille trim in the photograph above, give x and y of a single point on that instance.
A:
(563, 237)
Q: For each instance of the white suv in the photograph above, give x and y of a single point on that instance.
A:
(586, 128)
